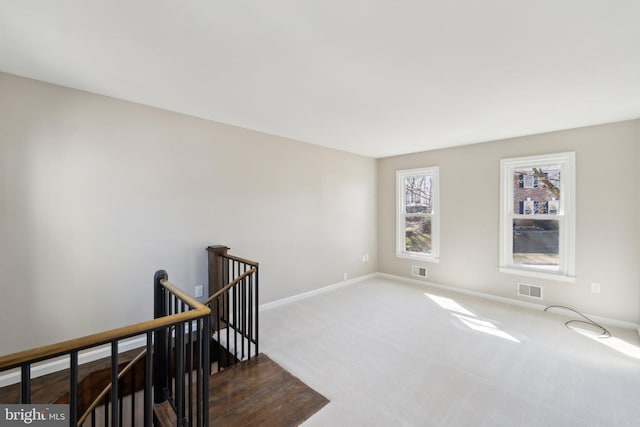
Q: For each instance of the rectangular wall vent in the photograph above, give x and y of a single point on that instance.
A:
(532, 291)
(416, 270)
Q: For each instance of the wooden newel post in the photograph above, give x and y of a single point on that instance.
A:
(217, 281)
(216, 268)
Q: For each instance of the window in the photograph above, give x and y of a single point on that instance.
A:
(528, 181)
(537, 221)
(417, 231)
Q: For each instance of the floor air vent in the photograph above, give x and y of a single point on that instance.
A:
(419, 271)
(532, 291)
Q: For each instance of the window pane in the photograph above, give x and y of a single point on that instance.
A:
(536, 242)
(536, 191)
(417, 234)
(418, 194)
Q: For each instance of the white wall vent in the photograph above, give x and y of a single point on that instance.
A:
(416, 270)
(532, 291)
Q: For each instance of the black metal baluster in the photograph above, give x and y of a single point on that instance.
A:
(225, 299)
(114, 381)
(171, 363)
(241, 269)
(132, 393)
(25, 383)
(73, 388)
(172, 352)
(190, 371)
(200, 334)
(106, 410)
(148, 382)
(218, 345)
(243, 313)
(235, 322)
(173, 305)
(228, 326)
(206, 371)
(179, 380)
(257, 310)
(250, 331)
(120, 401)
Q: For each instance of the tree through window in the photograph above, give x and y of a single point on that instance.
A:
(417, 218)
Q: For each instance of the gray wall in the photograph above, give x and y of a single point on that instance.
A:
(97, 193)
(608, 248)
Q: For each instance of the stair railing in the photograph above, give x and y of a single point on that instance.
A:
(180, 326)
(182, 355)
(234, 307)
(100, 405)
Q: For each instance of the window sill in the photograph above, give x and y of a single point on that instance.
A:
(417, 257)
(558, 277)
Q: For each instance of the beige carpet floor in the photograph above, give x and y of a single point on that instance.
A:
(387, 353)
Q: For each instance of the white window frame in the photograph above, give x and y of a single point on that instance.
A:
(401, 251)
(566, 216)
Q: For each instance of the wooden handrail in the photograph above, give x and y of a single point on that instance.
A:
(107, 389)
(53, 350)
(230, 285)
(191, 301)
(237, 258)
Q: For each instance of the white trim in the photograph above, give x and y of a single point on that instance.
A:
(297, 297)
(505, 300)
(535, 306)
(420, 258)
(102, 352)
(462, 291)
(537, 274)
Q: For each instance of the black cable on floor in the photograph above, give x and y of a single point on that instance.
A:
(605, 333)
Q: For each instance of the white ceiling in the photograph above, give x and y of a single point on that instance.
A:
(372, 77)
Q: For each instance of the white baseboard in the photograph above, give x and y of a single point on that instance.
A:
(535, 306)
(61, 364)
(297, 297)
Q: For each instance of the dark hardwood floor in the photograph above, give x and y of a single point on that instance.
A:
(258, 392)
